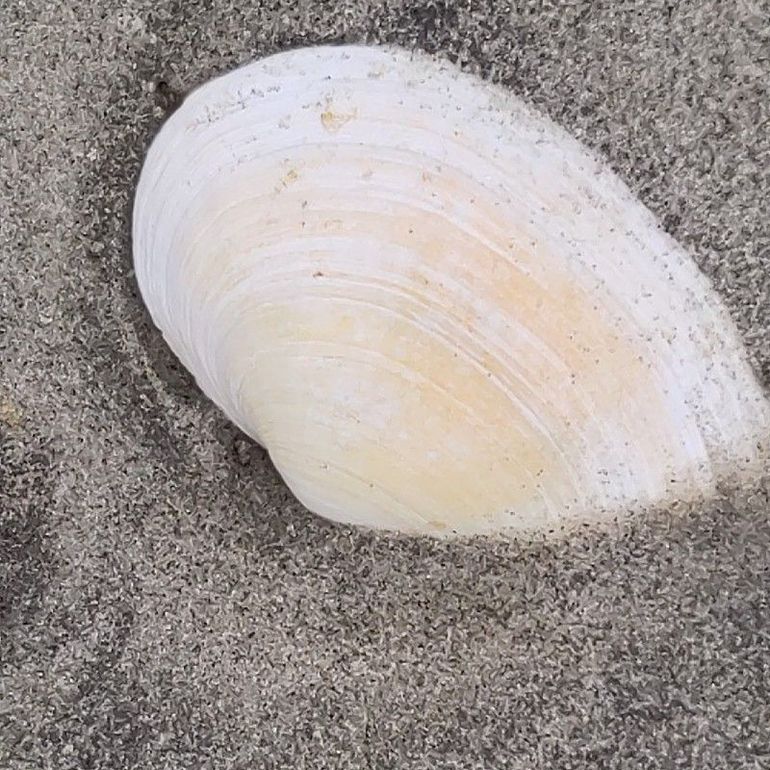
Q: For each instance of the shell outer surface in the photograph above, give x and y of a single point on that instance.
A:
(437, 311)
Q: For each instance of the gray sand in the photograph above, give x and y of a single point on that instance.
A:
(164, 603)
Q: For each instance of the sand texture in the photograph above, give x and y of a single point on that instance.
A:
(165, 603)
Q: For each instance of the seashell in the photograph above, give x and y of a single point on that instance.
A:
(437, 311)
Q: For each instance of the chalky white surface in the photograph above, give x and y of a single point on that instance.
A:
(437, 311)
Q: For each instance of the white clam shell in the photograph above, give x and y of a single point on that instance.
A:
(437, 311)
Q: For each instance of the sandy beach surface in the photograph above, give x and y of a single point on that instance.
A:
(165, 603)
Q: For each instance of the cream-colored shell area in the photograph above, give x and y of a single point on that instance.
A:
(437, 311)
